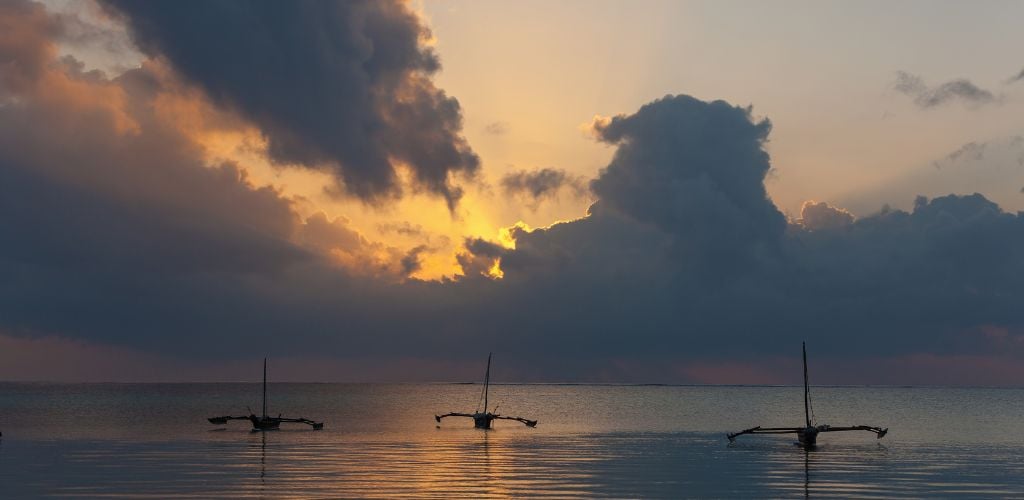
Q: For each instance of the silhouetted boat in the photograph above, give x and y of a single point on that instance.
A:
(483, 419)
(266, 422)
(808, 434)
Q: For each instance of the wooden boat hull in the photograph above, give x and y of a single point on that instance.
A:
(482, 420)
(808, 437)
(265, 423)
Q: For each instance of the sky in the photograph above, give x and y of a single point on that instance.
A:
(600, 191)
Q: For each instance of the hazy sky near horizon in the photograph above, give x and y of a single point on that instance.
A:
(600, 190)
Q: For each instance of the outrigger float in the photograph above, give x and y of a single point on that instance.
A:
(483, 419)
(808, 434)
(266, 422)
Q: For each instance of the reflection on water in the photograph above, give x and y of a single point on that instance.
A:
(618, 454)
(494, 464)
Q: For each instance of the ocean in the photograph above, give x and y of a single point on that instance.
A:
(381, 440)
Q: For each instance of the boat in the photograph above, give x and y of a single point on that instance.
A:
(265, 422)
(482, 419)
(807, 436)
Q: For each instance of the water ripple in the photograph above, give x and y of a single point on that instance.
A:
(659, 442)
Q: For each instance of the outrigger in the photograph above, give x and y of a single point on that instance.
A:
(266, 422)
(483, 419)
(808, 434)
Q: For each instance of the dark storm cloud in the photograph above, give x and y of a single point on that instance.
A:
(103, 228)
(96, 169)
(925, 96)
(344, 86)
(117, 231)
(540, 184)
(696, 170)
(688, 175)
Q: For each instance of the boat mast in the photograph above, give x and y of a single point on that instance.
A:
(487, 380)
(807, 394)
(264, 387)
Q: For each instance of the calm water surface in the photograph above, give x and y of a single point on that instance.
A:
(152, 440)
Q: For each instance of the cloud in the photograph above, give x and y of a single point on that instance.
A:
(924, 96)
(990, 166)
(481, 259)
(120, 232)
(346, 246)
(1018, 77)
(683, 253)
(415, 233)
(817, 216)
(972, 151)
(496, 128)
(537, 185)
(694, 169)
(403, 228)
(93, 37)
(340, 86)
(411, 261)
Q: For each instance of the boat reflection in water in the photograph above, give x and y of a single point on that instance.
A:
(598, 440)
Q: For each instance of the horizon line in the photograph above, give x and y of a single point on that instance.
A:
(595, 384)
